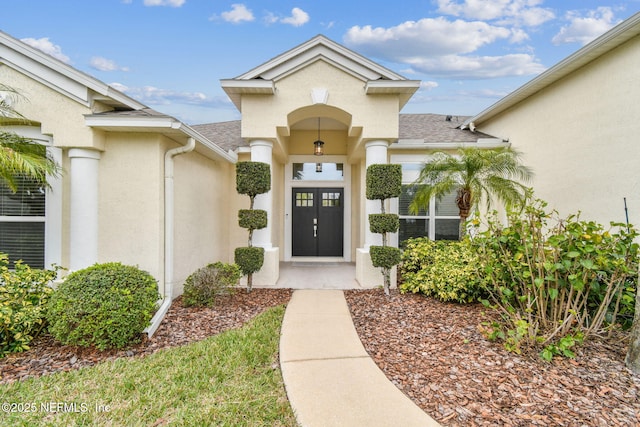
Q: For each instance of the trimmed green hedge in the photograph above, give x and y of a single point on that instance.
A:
(384, 223)
(384, 181)
(446, 270)
(252, 219)
(249, 259)
(105, 305)
(253, 178)
(384, 256)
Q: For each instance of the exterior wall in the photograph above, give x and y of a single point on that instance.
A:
(580, 137)
(203, 188)
(378, 115)
(277, 228)
(60, 116)
(131, 197)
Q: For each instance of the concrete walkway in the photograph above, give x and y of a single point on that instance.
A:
(329, 377)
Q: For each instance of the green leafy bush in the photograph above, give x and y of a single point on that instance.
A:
(384, 181)
(442, 269)
(253, 178)
(24, 293)
(252, 219)
(105, 305)
(205, 284)
(561, 277)
(384, 256)
(249, 259)
(384, 223)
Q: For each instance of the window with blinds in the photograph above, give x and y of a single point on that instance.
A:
(22, 223)
(438, 221)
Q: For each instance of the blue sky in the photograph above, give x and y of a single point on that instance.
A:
(171, 54)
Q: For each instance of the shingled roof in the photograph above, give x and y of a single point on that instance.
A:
(430, 128)
(224, 134)
(436, 128)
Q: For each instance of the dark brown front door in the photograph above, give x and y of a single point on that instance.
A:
(318, 221)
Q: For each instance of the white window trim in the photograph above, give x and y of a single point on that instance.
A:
(394, 206)
(53, 198)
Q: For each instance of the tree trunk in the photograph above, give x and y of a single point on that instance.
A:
(633, 355)
(463, 200)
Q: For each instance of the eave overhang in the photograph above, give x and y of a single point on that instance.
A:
(165, 125)
(235, 88)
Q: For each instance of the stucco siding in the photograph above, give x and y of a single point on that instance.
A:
(580, 137)
(131, 202)
(203, 189)
(59, 115)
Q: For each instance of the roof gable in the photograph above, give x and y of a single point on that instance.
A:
(262, 79)
(59, 76)
(314, 49)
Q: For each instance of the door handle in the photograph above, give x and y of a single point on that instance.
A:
(315, 231)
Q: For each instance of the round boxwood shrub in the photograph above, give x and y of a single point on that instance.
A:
(105, 305)
(383, 181)
(205, 284)
(249, 259)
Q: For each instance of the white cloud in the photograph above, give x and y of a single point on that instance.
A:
(443, 48)
(583, 29)
(46, 46)
(515, 12)
(298, 17)
(104, 64)
(151, 95)
(426, 37)
(426, 85)
(477, 67)
(172, 3)
(237, 14)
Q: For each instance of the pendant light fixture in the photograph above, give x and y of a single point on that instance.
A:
(317, 145)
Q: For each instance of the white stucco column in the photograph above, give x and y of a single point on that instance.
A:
(261, 151)
(376, 153)
(366, 274)
(83, 214)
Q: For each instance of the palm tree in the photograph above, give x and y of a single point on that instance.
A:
(477, 175)
(21, 158)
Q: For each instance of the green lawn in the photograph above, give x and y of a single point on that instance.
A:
(232, 379)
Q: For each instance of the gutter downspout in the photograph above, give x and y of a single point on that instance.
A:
(167, 290)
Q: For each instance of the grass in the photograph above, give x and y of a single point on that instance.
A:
(231, 379)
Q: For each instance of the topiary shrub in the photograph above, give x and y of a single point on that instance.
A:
(253, 178)
(205, 284)
(445, 270)
(252, 219)
(249, 259)
(24, 293)
(384, 181)
(384, 256)
(384, 223)
(105, 305)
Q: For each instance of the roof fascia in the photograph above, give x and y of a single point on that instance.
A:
(301, 53)
(598, 47)
(56, 74)
(165, 125)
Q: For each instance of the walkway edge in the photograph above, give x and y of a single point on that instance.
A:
(329, 377)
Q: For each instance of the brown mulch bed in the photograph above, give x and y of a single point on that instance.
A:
(181, 326)
(434, 353)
